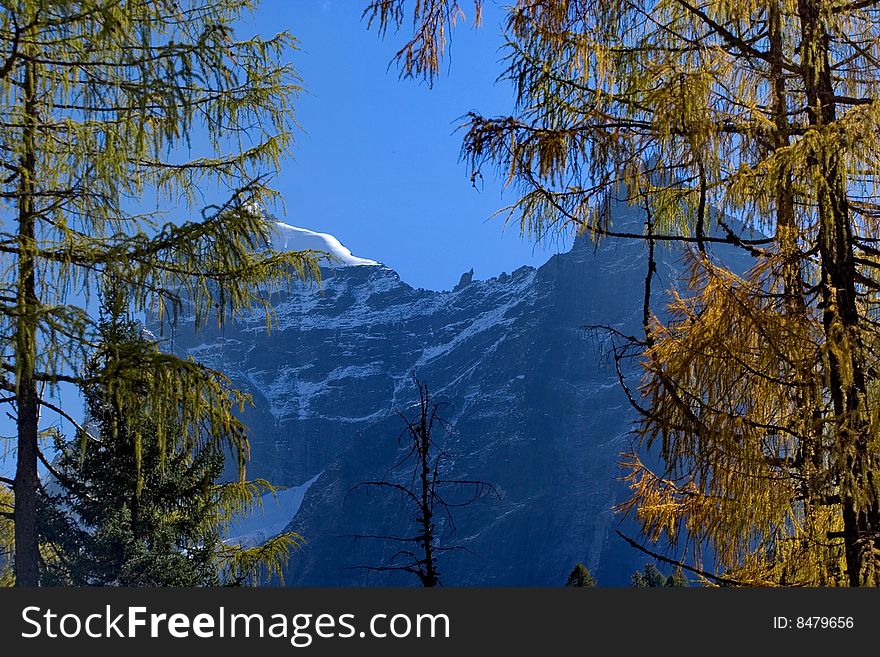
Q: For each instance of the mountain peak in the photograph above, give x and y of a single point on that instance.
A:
(292, 238)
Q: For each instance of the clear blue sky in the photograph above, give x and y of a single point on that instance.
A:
(377, 163)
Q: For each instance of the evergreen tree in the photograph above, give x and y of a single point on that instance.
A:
(130, 512)
(651, 577)
(103, 531)
(100, 100)
(676, 579)
(759, 389)
(580, 576)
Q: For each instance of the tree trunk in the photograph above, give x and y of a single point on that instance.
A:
(806, 412)
(27, 556)
(854, 464)
(430, 577)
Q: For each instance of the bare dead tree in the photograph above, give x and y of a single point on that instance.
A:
(428, 491)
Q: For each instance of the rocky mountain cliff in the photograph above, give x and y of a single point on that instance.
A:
(535, 408)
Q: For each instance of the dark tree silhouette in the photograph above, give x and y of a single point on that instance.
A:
(428, 492)
(581, 577)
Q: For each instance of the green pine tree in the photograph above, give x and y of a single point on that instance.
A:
(651, 577)
(580, 576)
(129, 511)
(676, 579)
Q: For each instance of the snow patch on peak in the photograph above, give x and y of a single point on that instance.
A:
(290, 238)
(269, 518)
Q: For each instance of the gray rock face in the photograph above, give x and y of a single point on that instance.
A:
(536, 410)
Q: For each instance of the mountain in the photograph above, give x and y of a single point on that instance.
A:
(535, 406)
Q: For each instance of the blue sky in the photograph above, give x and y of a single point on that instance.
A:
(377, 162)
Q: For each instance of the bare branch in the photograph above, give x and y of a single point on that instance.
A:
(726, 581)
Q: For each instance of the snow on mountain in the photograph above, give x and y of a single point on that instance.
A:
(291, 238)
(269, 517)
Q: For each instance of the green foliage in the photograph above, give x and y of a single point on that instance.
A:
(112, 533)
(432, 20)
(132, 510)
(580, 576)
(677, 578)
(99, 102)
(651, 577)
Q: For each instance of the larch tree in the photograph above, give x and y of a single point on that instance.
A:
(123, 121)
(759, 390)
(124, 510)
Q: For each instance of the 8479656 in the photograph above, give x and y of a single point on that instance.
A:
(813, 623)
